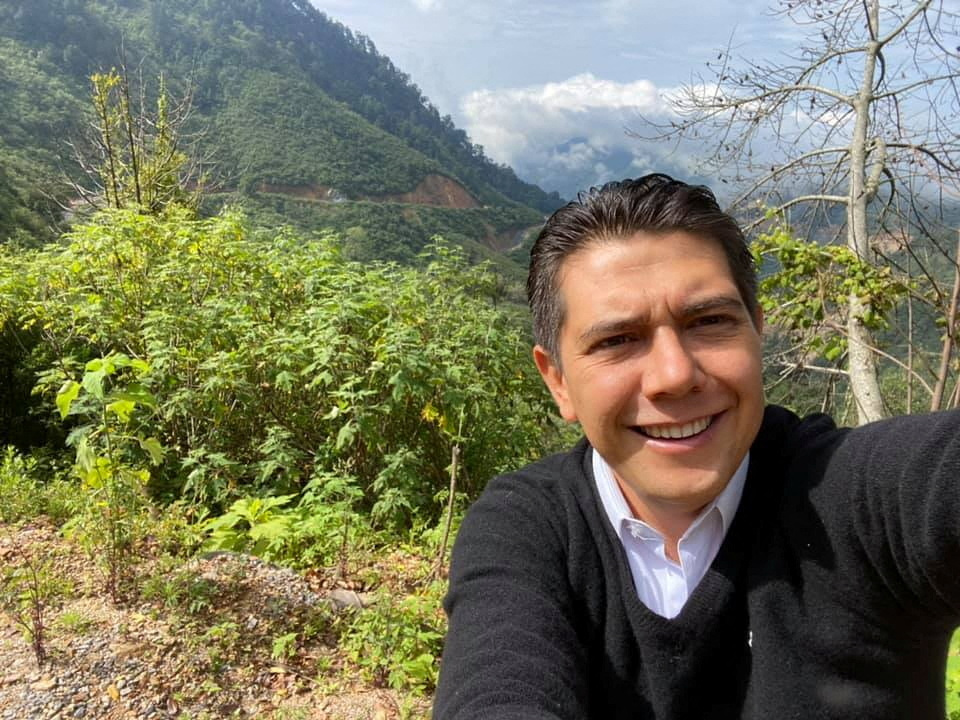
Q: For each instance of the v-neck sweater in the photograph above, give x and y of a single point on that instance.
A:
(833, 594)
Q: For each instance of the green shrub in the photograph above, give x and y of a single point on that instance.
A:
(113, 454)
(21, 496)
(320, 528)
(397, 643)
(24, 496)
(275, 360)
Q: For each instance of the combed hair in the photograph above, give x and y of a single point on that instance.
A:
(654, 203)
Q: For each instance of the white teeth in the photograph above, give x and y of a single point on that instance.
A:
(677, 432)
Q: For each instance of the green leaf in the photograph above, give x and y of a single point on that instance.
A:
(122, 409)
(68, 393)
(271, 530)
(284, 380)
(93, 382)
(86, 458)
(152, 446)
(346, 435)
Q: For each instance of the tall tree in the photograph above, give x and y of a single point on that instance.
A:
(862, 116)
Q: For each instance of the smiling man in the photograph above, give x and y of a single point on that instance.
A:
(697, 555)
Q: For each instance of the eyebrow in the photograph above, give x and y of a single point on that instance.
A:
(722, 302)
(606, 328)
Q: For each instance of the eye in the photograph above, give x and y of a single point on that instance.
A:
(613, 341)
(713, 320)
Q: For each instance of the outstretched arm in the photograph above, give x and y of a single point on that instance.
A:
(513, 649)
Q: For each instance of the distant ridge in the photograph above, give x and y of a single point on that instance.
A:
(291, 103)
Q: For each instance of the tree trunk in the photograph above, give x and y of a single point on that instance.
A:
(946, 349)
(862, 362)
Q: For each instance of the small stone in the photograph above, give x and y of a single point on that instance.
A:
(47, 683)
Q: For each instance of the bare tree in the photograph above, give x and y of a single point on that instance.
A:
(862, 116)
(133, 155)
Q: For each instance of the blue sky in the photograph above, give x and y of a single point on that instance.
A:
(548, 87)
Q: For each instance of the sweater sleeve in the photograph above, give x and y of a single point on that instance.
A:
(511, 649)
(903, 488)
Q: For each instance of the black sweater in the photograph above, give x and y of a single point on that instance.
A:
(833, 594)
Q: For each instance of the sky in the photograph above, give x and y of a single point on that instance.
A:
(549, 87)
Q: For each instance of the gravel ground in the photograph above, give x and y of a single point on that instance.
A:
(108, 663)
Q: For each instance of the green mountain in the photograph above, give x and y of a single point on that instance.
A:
(304, 121)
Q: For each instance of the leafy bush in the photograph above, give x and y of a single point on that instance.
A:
(397, 643)
(319, 529)
(274, 360)
(23, 495)
(112, 458)
(20, 494)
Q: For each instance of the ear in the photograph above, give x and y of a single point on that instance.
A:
(758, 319)
(553, 376)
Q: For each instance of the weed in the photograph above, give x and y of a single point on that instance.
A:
(221, 641)
(28, 592)
(186, 591)
(284, 647)
(398, 643)
(74, 622)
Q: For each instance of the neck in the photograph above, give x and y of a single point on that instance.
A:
(670, 520)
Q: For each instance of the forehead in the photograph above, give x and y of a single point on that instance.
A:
(645, 255)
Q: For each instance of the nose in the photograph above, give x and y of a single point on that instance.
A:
(671, 369)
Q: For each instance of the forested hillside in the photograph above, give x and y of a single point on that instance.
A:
(285, 101)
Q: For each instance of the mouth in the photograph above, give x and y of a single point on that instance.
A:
(676, 431)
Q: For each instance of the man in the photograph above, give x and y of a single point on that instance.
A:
(697, 555)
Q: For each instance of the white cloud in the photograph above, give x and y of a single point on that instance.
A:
(516, 122)
(567, 135)
(426, 5)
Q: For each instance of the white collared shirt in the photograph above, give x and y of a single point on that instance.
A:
(663, 585)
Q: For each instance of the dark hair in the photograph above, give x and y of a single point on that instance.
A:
(654, 203)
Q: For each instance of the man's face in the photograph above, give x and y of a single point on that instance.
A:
(660, 364)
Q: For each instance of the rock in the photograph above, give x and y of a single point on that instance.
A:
(341, 598)
(47, 683)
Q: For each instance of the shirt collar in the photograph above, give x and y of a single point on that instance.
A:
(615, 504)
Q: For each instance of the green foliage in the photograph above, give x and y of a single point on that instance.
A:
(286, 133)
(953, 678)
(112, 455)
(256, 525)
(284, 646)
(805, 288)
(38, 110)
(21, 496)
(276, 362)
(321, 526)
(374, 231)
(74, 622)
(24, 496)
(182, 590)
(397, 643)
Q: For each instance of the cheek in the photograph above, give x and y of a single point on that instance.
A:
(607, 393)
